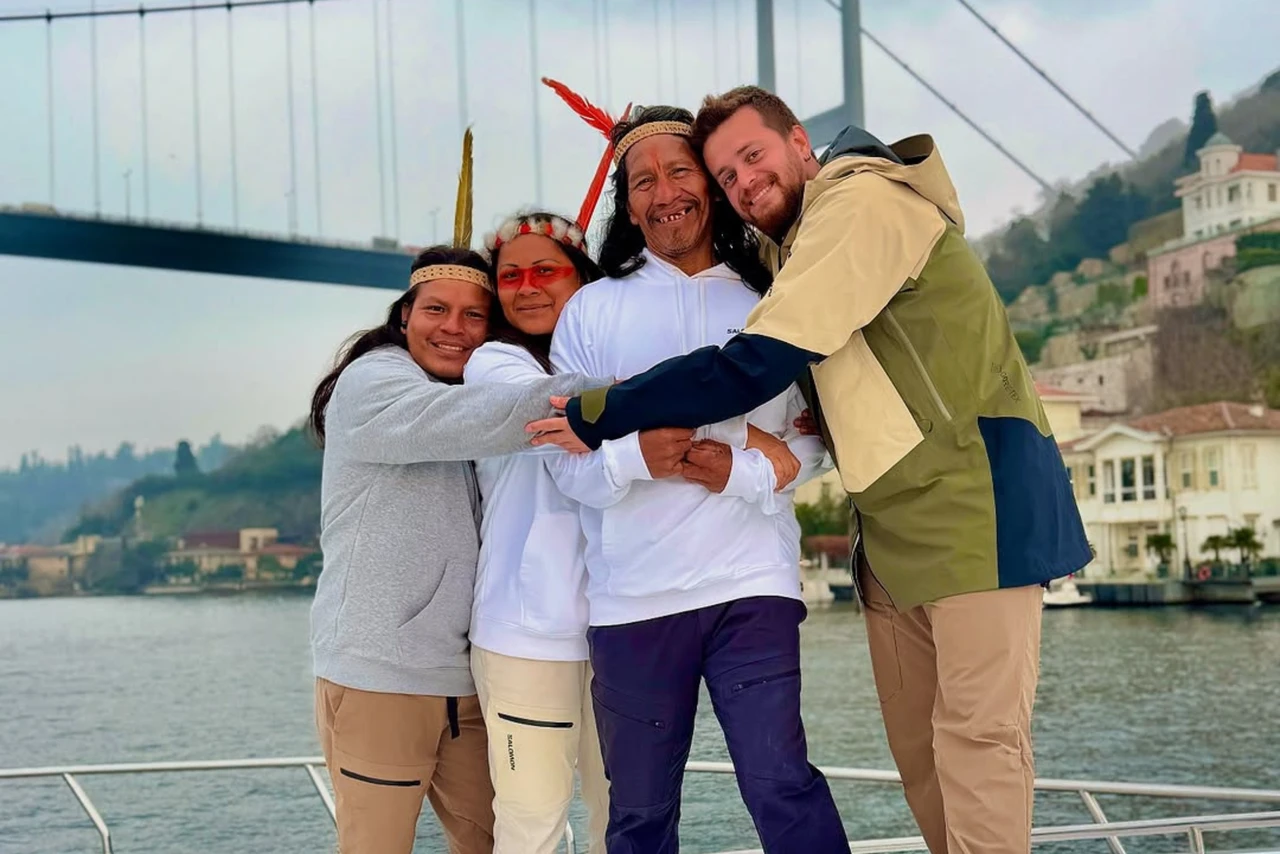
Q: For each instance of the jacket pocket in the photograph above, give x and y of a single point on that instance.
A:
(552, 596)
(436, 636)
(939, 405)
(869, 422)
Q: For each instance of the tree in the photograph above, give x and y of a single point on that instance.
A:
(1162, 545)
(1246, 540)
(1204, 124)
(828, 515)
(184, 465)
(1216, 543)
(1103, 217)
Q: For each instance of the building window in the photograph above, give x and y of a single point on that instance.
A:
(1187, 465)
(1233, 193)
(1148, 478)
(1093, 481)
(1199, 203)
(1213, 467)
(1271, 192)
(1249, 466)
(1109, 482)
(1129, 479)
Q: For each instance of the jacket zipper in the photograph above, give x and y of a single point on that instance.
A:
(919, 363)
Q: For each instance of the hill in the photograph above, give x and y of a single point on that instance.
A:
(1089, 223)
(274, 482)
(40, 498)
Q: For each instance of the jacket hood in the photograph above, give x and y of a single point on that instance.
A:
(914, 161)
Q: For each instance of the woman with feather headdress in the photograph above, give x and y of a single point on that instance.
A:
(529, 621)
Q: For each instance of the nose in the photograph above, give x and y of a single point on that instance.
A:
(452, 324)
(666, 191)
(528, 288)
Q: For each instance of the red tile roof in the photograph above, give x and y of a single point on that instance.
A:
(212, 540)
(1256, 163)
(1209, 418)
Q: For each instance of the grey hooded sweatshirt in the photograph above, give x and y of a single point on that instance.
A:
(399, 519)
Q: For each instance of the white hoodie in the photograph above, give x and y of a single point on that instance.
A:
(655, 548)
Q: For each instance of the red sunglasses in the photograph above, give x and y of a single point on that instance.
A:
(538, 277)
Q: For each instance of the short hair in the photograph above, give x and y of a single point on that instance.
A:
(716, 110)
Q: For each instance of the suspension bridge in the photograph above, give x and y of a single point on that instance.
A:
(143, 51)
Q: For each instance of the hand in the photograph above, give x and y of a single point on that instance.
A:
(806, 424)
(556, 430)
(664, 450)
(709, 465)
(785, 464)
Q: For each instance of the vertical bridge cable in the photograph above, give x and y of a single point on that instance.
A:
(93, 61)
(195, 113)
(537, 90)
(293, 148)
(460, 18)
(675, 54)
(391, 95)
(231, 118)
(715, 43)
(146, 127)
(315, 116)
(657, 48)
(48, 71)
(595, 50)
(737, 29)
(608, 59)
(377, 88)
(799, 58)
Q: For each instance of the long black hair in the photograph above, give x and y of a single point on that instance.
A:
(732, 240)
(389, 333)
(500, 328)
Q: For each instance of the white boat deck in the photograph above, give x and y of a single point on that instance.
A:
(1184, 833)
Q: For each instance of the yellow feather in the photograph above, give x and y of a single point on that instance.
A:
(462, 212)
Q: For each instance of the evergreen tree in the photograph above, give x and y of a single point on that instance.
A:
(1204, 124)
(184, 464)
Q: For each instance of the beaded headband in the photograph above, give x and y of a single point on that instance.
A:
(434, 272)
(647, 130)
(553, 226)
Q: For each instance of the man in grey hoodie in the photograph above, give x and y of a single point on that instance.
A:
(396, 707)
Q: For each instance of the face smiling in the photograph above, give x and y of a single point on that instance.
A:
(668, 197)
(761, 171)
(447, 321)
(535, 280)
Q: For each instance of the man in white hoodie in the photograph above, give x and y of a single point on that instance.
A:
(692, 542)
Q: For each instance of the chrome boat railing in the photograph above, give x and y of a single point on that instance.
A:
(1193, 828)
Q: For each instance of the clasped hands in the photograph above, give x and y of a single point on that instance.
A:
(673, 452)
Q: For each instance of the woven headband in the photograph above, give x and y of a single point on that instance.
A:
(647, 130)
(434, 272)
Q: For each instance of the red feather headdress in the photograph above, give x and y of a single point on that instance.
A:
(601, 121)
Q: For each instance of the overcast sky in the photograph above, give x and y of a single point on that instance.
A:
(94, 355)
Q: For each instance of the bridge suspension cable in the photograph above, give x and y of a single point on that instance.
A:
(1038, 70)
(48, 71)
(391, 103)
(377, 101)
(1048, 188)
(537, 115)
(315, 117)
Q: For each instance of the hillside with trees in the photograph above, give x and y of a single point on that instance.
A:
(273, 482)
(1030, 249)
(40, 498)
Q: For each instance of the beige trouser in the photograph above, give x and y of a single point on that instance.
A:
(541, 726)
(386, 752)
(957, 681)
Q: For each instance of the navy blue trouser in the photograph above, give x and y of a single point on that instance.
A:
(645, 693)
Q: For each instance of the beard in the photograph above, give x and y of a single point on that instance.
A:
(777, 220)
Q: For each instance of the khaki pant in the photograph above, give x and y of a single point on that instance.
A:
(386, 752)
(957, 681)
(541, 727)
